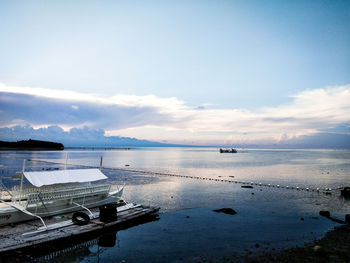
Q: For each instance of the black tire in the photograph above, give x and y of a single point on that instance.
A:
(80, 218)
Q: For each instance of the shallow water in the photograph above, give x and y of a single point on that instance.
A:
(188, 229)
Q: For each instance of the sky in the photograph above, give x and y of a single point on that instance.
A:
(185, 72)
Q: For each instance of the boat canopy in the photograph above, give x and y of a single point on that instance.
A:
(64, 176)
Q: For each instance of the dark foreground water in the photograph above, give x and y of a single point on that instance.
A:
(268, 218)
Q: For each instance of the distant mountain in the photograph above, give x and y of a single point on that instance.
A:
(87, 137)
(322, 140)
(115, 141)
(75, 137)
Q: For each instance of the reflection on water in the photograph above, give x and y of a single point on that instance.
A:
(72, 253)
(188, 229)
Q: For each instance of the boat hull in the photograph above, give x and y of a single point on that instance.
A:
(11, 215)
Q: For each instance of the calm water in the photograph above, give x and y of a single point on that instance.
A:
(188, 230)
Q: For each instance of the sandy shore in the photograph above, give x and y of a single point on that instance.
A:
(333, 247)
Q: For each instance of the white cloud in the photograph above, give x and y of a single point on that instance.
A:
(164, 104)
(151, 117)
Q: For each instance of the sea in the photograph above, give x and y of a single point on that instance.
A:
(281, 210)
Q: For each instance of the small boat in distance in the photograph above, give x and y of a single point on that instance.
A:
(228, 150)
(56, 192)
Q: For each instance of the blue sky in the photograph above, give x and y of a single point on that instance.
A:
(201, 72)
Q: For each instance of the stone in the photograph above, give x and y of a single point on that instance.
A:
(228, 211)
(325, 213)
(317, 248)
(347, 219)
(345, 192)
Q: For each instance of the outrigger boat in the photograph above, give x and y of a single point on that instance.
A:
(56, 192)
(223, 150)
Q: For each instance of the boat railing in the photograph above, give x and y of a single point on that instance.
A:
(30, 192)
(5, 193)
(22, 194)
(46, 196)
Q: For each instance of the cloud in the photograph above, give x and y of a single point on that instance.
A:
(150, 117)
(319, 140)
(39, 110)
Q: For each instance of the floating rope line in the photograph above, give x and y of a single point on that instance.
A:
(324, 190)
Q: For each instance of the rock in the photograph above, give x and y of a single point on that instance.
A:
(317, 248)
(347, 219)
(228, 211)
(345, 192)
(302, 218)
(325, 213)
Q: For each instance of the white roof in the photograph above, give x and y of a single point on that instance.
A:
(64, 176)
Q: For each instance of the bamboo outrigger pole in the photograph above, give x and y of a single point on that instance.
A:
(22, 177)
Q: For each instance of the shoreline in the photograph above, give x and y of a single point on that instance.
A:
(334, 246)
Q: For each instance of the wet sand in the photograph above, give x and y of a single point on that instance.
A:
(333, 247)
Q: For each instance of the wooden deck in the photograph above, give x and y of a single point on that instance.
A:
(30, 234)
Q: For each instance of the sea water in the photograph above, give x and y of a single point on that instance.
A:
(268, 217)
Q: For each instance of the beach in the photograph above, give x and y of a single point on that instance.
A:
(333, 247)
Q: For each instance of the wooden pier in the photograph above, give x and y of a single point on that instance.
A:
(32, 233)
